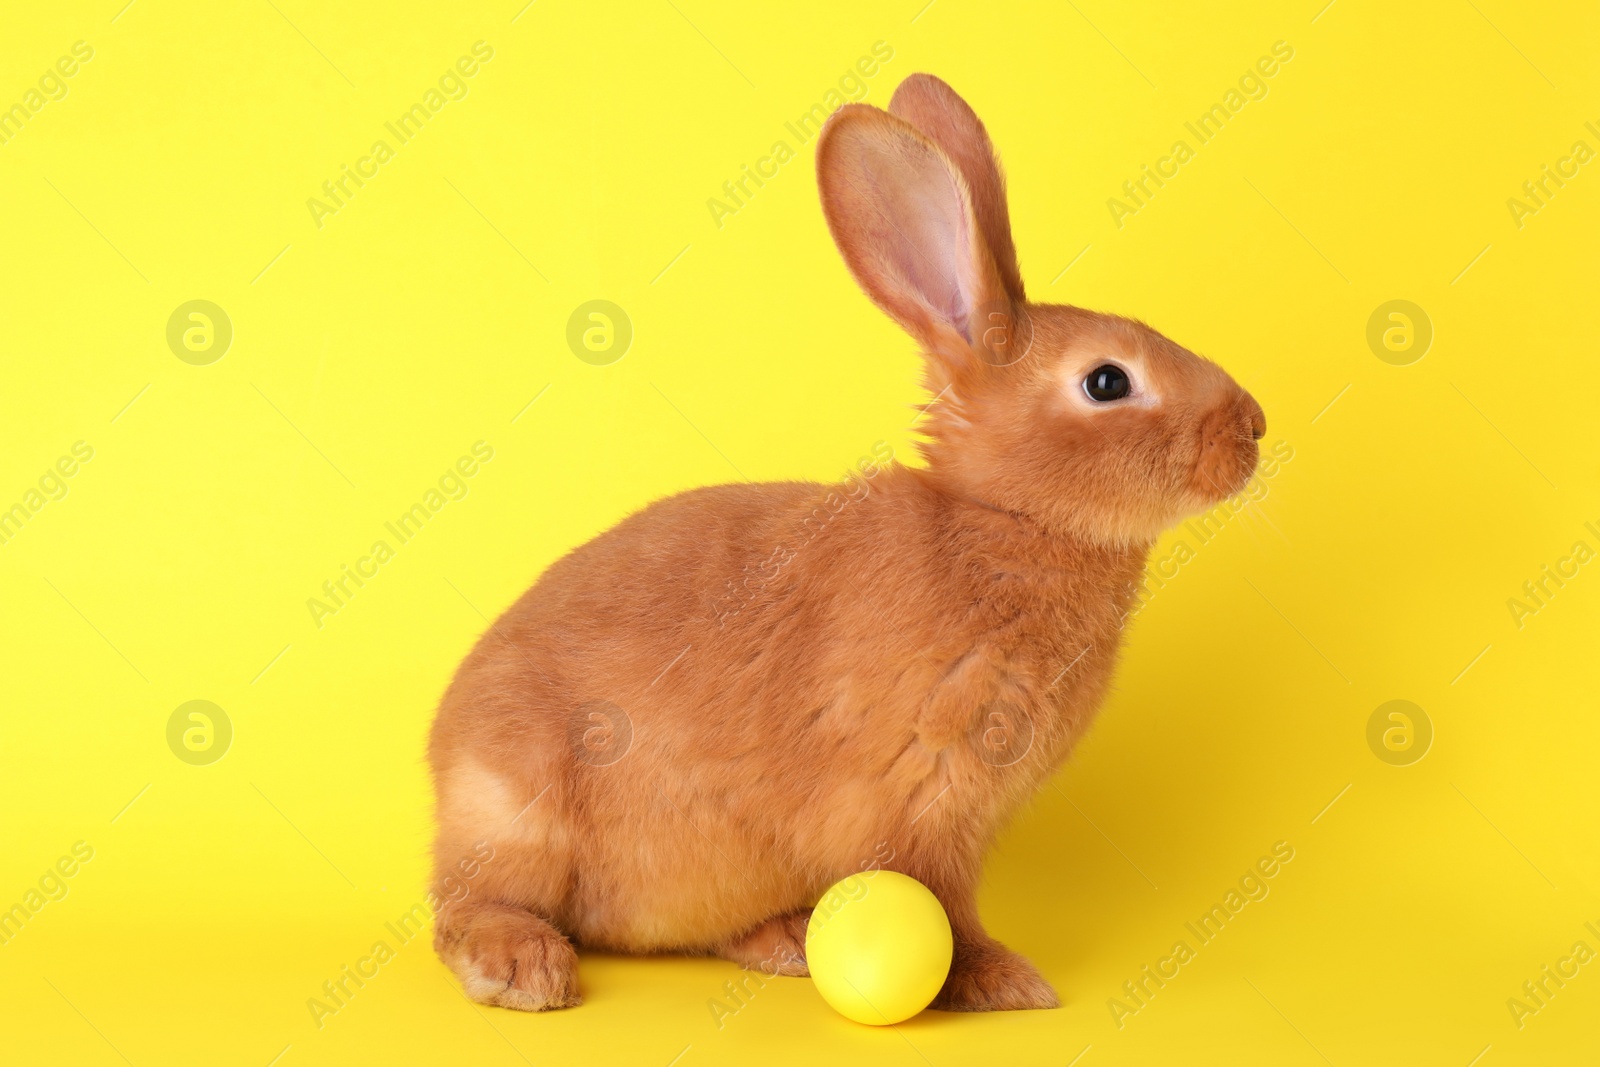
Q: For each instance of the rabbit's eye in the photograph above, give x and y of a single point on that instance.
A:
(1106, 383)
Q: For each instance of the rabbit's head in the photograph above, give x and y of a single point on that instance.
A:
(1079, 420)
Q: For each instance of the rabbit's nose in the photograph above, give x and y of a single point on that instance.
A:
(1258, 418)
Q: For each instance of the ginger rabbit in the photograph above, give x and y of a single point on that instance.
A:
(657, 772)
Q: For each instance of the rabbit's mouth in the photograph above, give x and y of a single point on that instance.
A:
(1228, 452)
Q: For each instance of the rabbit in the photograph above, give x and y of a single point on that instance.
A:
(907, 660)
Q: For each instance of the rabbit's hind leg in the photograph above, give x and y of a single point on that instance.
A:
(508, 956)
(502, 896)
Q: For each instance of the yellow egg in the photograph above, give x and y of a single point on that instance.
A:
(878, 946)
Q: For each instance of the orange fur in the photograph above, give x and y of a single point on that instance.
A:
(845, 714)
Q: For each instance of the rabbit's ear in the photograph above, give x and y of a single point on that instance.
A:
(940, 115)
(900, 213)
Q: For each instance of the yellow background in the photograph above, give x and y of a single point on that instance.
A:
(370, 353)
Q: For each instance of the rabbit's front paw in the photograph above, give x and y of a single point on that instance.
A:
(990, 977)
